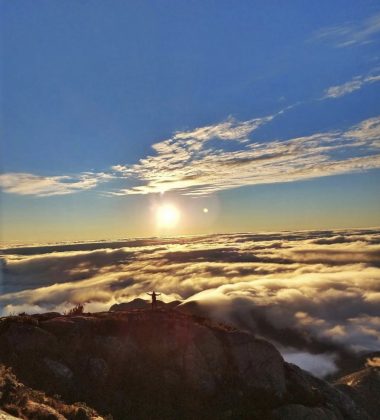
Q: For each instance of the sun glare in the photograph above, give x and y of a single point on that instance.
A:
(167, 216)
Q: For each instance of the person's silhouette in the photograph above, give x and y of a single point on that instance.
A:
(154, 298)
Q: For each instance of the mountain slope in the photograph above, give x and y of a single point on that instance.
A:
(163, 364)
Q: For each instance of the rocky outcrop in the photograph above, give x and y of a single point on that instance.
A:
(18, 401)
(318, 398)
(142, 304)
(363, 387)
(150, 364)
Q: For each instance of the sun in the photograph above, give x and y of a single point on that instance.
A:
(167, 216)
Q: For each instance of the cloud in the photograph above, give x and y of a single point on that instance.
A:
(315, 309)
(312, 293)
(185, 143)
(349, 34)
(355, 84)
(182, 144)
(190, 163)
(227, 130)
(43, 186)
(319, 365)
(221, 157)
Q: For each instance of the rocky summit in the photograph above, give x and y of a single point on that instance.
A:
(162, 364)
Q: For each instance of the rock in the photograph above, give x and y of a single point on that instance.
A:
(26, 338)
(364, 388)
(196, 371)
(6, 416)
(305, 388)
(59, 370)
(24, 403)
(141, 304)
(46, 316)
(171, 378)
(127, 306)
(98, 368)
(42, 411)
(116, 350)
(299, 387)
(169, 364)
(259, 364)
(300, 412)
(58, 326)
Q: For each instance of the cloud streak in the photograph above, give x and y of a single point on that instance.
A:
(350, 34)
(356, 83)
(202, 162)
(44, 186)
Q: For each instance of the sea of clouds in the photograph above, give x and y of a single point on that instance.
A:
(315, 294)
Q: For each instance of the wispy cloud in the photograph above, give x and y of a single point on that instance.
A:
(193, 165)
(349, 34)
(42, 186)
(185, 143)
(345, 88)
(220, 157)
(227, 130)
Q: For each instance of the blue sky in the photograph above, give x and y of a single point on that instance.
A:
(89, 86)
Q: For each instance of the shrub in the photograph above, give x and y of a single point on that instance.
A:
(77, 310)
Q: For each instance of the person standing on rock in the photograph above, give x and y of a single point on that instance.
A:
(154, 298)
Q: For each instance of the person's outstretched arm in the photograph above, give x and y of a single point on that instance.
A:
(150, 294)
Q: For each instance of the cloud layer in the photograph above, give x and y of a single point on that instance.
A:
(309, 292)
(202, 162)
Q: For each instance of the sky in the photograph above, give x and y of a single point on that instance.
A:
(265, 114)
